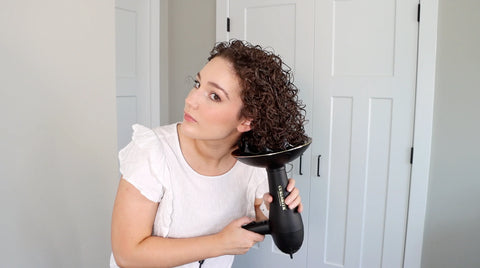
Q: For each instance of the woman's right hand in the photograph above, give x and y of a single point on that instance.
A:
(237, 240)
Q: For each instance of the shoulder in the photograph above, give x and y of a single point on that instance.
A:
(166, 131)
(145, 137)
(144, 142)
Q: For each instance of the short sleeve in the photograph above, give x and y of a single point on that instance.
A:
(136, 162)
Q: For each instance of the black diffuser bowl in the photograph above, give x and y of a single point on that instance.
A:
(284, 225)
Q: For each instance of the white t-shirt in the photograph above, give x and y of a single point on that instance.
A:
(190, 204)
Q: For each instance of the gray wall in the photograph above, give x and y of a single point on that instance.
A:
(191, 26)
(452, 231)
(58, 138)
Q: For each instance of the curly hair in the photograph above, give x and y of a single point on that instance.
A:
(269, 97)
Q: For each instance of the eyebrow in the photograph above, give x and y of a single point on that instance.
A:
(215, 85)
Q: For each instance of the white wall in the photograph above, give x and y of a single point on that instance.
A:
(58, 139)
(191, 26)
(452, 230)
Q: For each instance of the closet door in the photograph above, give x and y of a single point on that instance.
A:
(365, 72)
(286, 27)
(360, 101)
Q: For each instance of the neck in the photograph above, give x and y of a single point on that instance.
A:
(209, 157)
(213, 151)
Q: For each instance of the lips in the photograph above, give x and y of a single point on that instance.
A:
(189, 118)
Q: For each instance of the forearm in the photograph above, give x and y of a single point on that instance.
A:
(259, 214)
(133, 245)
(167, 252)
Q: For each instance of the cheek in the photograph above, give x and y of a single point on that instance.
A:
(222, 117)
(227, 116)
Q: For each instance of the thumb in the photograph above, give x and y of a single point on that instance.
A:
(267, 197)
(244, 220)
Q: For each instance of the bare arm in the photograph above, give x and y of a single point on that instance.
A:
(259, 216)
(134, 246)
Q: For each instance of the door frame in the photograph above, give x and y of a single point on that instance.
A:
(154, 92)
(423, 123)
(422, 135)
(154, 70)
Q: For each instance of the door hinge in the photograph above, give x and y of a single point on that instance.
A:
(228, 24)
(418, 12)
(411, 155)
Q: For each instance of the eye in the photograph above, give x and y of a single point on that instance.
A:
(196, 83)
(215, 97)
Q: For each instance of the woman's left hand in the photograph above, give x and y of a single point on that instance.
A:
(293, 200)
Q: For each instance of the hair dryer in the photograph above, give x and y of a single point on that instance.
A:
(284, 225)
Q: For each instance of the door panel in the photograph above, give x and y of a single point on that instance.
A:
(281, 28)
(336, 221)
(132, 66)
(357, 34)
(365, 52)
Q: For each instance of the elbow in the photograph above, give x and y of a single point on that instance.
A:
(126, 261)
(128, 258)
(122, 259)
(123, 255)
(123, 251)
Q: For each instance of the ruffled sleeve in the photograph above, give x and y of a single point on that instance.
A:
(136, 163)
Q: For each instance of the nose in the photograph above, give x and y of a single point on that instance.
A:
(192, 98)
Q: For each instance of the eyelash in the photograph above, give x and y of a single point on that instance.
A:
(196, 83)
(213, 96)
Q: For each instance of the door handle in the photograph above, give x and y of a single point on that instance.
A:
(318, 165)
(300, 166)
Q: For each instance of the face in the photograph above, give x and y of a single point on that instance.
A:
(213, 105)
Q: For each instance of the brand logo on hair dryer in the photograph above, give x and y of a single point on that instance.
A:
(281, 199)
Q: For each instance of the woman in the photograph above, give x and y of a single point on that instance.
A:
(183, 198)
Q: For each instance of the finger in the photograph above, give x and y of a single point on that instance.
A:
(291, 184)
(268, 198)
(258, 237)
(292, 196)
(296, 202)
(300, 208)
(243, 221)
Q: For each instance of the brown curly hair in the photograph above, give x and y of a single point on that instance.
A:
(269, 97)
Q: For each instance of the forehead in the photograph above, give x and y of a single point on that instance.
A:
(221, 72)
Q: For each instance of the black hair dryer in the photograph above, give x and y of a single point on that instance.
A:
(285, 225)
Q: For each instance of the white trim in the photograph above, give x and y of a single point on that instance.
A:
(164, 65)
(222, 13)
(427, 44)
(154, 47)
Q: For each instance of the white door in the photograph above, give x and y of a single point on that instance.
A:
(358, 82)
(365, 72)
(136, 65)
(286, 27)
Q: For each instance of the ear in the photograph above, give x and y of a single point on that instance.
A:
(244, 125)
